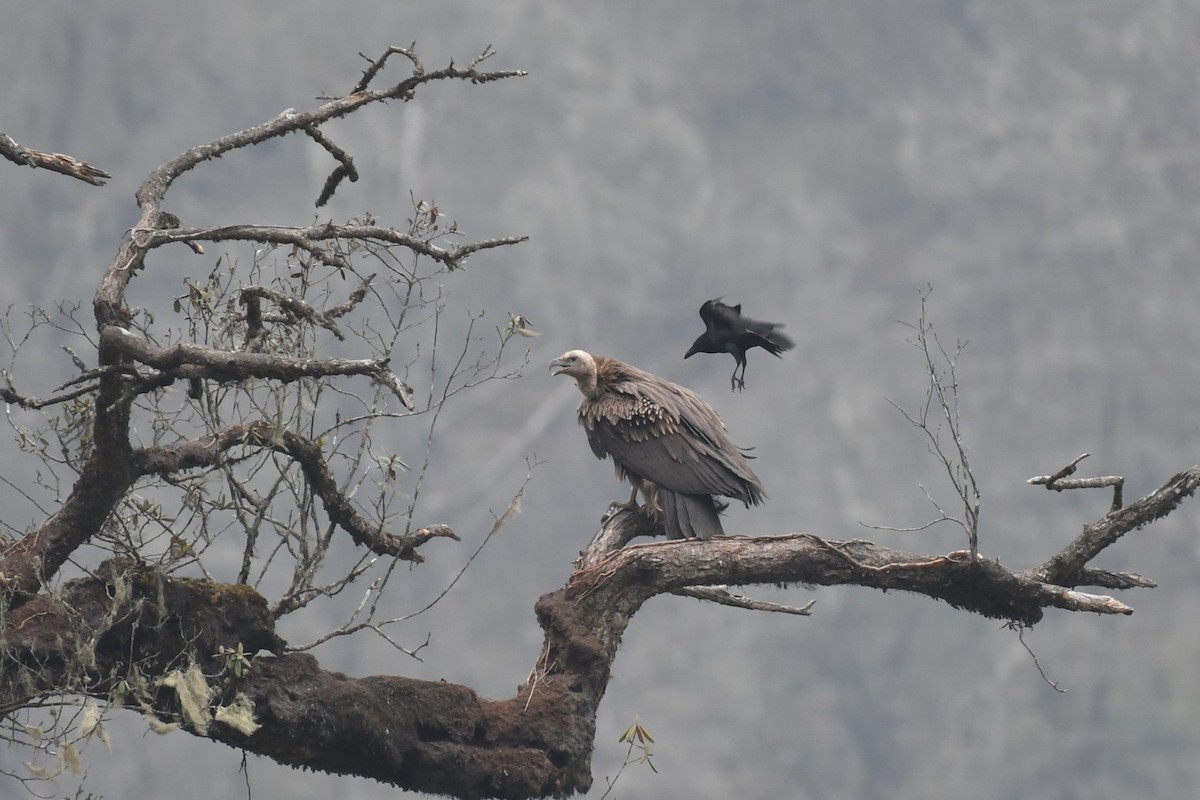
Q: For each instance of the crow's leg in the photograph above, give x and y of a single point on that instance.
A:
(737, 384)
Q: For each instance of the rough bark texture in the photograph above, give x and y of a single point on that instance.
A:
(133, 627)
(55, 162)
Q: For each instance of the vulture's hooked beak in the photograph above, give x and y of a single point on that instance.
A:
(557, 366)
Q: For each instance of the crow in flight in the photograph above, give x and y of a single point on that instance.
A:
(727, 331)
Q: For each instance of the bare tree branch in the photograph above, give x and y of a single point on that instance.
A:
(1066, 567)
(722, 597)
(206, 452)
(109, 300)
(436, 737)
(345, 169)
(155, 187)
(56, 162)
(308, 237)
(1058, 482)
(9, 395)
(186, 360)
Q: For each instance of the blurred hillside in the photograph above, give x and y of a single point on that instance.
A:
(1037, 164)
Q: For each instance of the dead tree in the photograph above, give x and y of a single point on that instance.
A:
(150, 627)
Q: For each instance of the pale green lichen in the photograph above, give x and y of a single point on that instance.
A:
(194, 696)
(238, 715)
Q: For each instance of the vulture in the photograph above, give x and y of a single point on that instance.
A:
(664, 439)
(727, 331)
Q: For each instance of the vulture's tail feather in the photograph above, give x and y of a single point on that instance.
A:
(689, 516)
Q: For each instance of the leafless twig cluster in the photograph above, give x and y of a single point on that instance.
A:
(314, 361)
(938, 419)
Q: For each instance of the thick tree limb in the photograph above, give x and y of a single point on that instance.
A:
(187, 360)
(987, 587)
(37, 556)
(105, 478)
(159, 623)
(435, 737)
(423, 735)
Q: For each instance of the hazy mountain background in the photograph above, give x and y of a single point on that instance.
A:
(821, 162)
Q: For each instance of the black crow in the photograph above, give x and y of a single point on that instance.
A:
(727, 331)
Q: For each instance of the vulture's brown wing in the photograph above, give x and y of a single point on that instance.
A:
(668, 435)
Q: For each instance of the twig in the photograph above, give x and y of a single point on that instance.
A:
(307, 237)
(714, 594)
(1020, 629)
(9, 395)
(345, 168)
(1057, 482)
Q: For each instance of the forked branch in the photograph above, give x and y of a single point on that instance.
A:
(1060, 481)
(156, 227)
(1067, 567)
(208, 451)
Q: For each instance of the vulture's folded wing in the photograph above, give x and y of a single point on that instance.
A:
(668, 435)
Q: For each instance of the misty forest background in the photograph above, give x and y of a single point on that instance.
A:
(1037, 163)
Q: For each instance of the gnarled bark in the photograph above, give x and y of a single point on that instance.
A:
(138, 627)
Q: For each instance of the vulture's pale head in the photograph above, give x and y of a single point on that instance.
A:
(580, 365)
